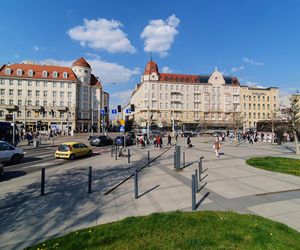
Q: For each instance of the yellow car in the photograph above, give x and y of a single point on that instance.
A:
(71, 150)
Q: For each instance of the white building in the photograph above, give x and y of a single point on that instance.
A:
(47, 96)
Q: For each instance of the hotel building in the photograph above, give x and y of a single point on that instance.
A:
(44, 97)
(212, 101)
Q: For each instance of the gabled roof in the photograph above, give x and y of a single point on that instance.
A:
(150, 68)
(38, 71)
(81, 62)
(95, 81)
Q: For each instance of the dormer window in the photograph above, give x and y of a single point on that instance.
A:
(65, 75)
(45, 73)
(30, 72)
(7, 71)
(55, 74)
(19, 72)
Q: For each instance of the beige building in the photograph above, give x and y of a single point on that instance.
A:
(212, 101)
(258, 104)
(44, 97)
(189, 100)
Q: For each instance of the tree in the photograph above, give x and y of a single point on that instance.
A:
(236, 120)
(293, 113)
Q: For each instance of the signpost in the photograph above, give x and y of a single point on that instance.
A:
(114, 111)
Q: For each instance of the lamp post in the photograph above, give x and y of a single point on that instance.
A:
(148, 118)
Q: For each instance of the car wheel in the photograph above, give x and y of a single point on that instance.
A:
(15, 158)
(90, 153)
(72, 157)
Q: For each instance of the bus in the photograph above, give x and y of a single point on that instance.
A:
(6, 133)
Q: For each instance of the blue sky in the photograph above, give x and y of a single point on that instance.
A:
(256, 41)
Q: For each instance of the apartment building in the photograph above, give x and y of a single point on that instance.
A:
(212, 101)
(189, 100)
(44, 97)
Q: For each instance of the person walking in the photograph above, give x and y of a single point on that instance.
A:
(169, 140)
(176, 137)
(189, 142)
(217, 147)
(160, 141)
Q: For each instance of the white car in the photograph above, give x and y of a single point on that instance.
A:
(9, 153)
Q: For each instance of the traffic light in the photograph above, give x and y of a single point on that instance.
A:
(105, 110)
(119, 109)
(132, 107)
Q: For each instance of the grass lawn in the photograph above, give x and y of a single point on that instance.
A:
(276, 164)
(179, 230)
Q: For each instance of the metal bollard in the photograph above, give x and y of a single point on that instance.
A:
(196, 180)
(112, 151)
(129, 155)
(136, 191)
(183, 156)
(175, 160)
(116, 153)
(90, 181)
(193, 193)
(148, 158)
(42, 181)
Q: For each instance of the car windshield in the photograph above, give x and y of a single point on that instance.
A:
(64, 148)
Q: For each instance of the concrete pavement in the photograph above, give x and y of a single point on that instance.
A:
(27, 218)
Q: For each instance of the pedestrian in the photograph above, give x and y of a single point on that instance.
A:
(217, 146)
(262, 135)
(169, 140)
(160, 141)
(176, 137)
(157, 140)
(189, 142)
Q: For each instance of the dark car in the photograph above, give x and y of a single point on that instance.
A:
(119, 140)
(101, 140)
(190, 134)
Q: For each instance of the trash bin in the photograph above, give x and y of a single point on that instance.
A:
(36, 144)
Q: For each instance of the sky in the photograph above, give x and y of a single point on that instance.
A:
(255, 40)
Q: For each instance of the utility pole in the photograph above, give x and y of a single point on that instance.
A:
(92, 129)
(67, 121)
(25, 114)
(148, 118)
(173, 122)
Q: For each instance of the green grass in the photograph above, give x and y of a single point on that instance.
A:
(276, 164)
(179, 230)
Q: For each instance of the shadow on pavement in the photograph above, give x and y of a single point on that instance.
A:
(8, 175)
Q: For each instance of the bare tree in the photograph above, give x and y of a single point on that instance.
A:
(236, 121)
(293, 113)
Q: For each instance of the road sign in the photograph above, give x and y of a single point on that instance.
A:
(102, 111)
(114, 111)
(122, 122)
(122, 129)
(128, 111)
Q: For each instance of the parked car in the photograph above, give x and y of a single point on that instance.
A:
(72, 150)
(216, 133)
(119, 140)
(9, 153)
(101, 140)
(190, 134)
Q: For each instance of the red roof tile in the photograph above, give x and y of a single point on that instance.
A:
(81, 62)
(38, 71)
(167, 77)
(151, 67)
(95, 81)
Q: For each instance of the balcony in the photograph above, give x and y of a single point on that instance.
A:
(37, 107)
(61, 108)
(10, 107)
(176, 92)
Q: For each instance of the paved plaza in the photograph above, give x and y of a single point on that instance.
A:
(28, 218)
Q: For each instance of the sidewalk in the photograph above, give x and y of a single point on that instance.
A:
(27, 218)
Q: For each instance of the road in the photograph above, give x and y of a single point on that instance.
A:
(43, 157)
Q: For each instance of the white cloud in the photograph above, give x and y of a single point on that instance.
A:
(36, 48)
(121, 98)
(253, 62)
(107, 72)
(159, 35)
(166, 69)
(93, 55)
(102, 34)
(235, 69)
(16, 55)
(255, 84)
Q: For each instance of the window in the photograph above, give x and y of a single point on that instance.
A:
(61, 115)
(258, 115)
(37, 93)
(37, 84)
(37, 103)
(28, 113)
(19, 92)
(45, 84)
(55, 74)
(30, 72)
(249, 115)
(29, 102)
(69, 95)
(11, 82)
(69, 85)
(45, 103)
(244, 105)
(69, 104)
(19, 72)
(44, 73)
(249, 105)
(258, 106)
(11, 92)
(54, 103)
(65, 75)
(54, 84)
(7, 71)
(62, 94)
(2, 81)
(2, 91)
(2, 102)
(62, 84)
(19, 102)
(166, 87)
(29, 92)
(62, 103)
(268, 99)
(54, 94)
(19, 83)
(254, 106)
(11, 102)
(1, 113)
(45, 93)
